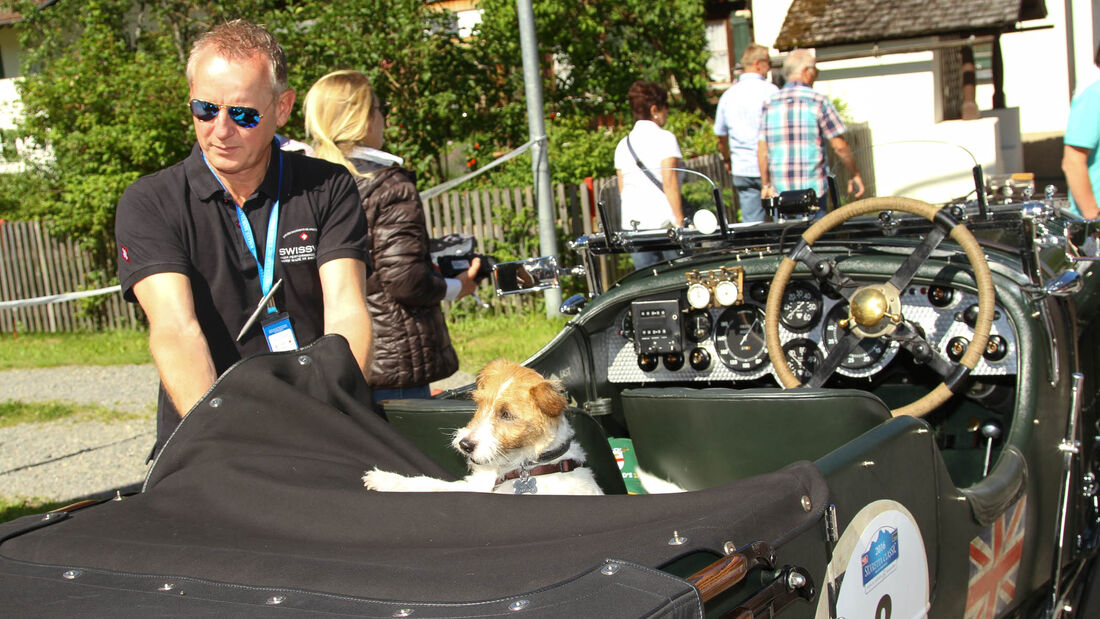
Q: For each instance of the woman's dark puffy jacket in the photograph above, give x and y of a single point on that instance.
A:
(411, 346)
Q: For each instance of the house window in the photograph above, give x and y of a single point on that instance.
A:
(983, 62)
(718, 43)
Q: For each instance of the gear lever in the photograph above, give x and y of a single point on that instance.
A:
(991, 430)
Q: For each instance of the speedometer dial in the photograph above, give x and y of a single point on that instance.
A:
(801, 307)
(739, 338)
(865, 354)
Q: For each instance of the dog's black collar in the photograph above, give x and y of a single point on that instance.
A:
(548, 456)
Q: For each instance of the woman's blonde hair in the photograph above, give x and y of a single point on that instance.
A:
(338, 115)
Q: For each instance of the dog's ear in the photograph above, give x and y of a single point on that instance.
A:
(549, 396)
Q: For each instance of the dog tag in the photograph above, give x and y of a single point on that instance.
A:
(525, 484)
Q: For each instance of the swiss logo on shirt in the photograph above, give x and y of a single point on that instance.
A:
(297, 246)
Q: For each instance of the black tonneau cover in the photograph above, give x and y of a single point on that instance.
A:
(257, 500)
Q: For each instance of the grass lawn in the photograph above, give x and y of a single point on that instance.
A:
(15, 412)
(485, 337)
(12, 508)
(41, 350)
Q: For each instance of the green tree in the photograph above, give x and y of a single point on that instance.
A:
(104, 98)
(591, 52)
(412, 57)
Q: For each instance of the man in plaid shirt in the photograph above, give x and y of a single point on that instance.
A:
(795, 125)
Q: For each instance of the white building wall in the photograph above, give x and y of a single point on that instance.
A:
(896, 93)
(893, 91)
(1036, 77)
(10, 105)
(767, 20)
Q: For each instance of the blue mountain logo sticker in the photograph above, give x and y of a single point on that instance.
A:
(881, 557)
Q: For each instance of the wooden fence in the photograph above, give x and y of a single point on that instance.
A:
(35, 264)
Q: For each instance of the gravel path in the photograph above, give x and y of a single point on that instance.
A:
(72, 459)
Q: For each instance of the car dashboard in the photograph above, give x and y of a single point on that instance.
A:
(662, 338)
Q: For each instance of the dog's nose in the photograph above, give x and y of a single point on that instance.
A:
(466, 445)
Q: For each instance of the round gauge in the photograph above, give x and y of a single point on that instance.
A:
(803, 357)
(865, 354)
(801, 307)
(698, 325)
(698, 296)
(725, 293)
(739, 338)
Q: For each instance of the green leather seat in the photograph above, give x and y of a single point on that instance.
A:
(700, 438)
(430, 423)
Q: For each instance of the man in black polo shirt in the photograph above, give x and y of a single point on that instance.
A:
(203, 242)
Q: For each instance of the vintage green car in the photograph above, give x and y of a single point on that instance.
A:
(887, 411)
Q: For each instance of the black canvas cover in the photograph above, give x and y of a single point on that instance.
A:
(260, 488)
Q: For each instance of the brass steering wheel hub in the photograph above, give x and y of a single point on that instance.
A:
(874, 311)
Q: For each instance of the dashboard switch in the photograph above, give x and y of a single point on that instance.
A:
(699, 359)
(956, 346)
(996, 349)
(647, 362)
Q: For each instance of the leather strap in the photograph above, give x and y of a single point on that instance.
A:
(641, 165)
(543, 469)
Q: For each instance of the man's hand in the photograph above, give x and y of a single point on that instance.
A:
(856, 181)
(468, 279)
(768, 191)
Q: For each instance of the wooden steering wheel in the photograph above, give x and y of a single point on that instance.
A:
(875, 310)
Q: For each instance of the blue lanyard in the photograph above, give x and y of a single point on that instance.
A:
(267, 269)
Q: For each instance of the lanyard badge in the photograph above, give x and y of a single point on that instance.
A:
(276, 325)
(279, 332)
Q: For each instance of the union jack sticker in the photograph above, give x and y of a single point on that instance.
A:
(995, 562)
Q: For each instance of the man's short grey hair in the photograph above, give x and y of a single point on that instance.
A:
(754, 53)
(796, 62)
(240, 40)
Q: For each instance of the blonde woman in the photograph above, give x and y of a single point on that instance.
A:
(346, 121)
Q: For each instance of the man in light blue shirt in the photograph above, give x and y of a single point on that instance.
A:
(738, 116)
(1079, 157)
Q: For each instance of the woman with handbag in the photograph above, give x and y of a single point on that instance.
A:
(646, 162)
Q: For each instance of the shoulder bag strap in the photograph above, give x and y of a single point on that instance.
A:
(641, 165)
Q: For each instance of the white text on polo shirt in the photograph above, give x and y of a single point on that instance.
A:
(297, 254)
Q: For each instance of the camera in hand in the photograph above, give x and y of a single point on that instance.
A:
(453, 254)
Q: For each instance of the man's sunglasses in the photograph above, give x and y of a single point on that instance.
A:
(246, 117)
(383, 107)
